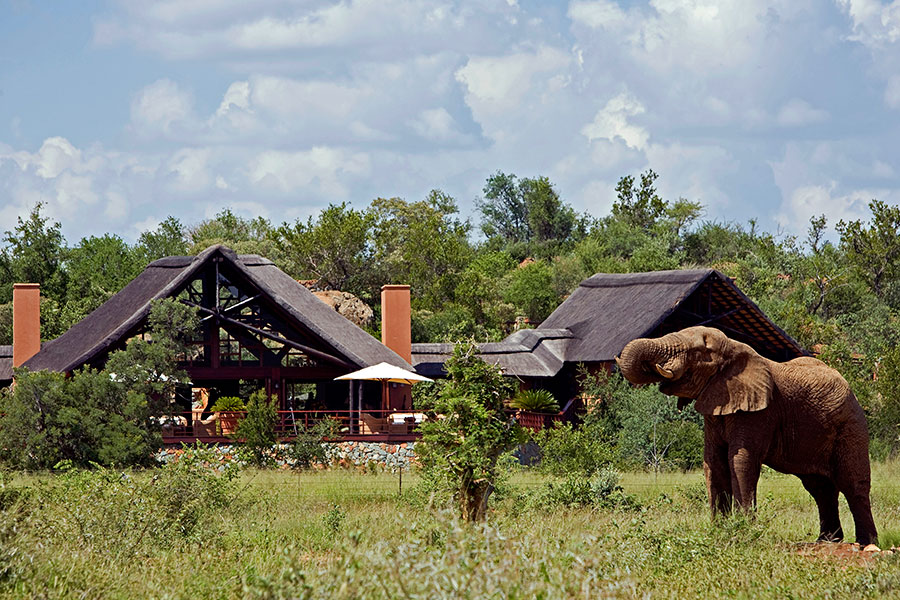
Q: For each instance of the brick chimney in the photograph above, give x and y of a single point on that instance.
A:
(395, 320)
(26, 321)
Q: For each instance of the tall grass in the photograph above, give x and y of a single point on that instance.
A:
(341, 535)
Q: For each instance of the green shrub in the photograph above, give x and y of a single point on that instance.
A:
(307, 449)
(104, 508)
(535, 401)
(229, 404)
(602, 490)
(460, 449)
(569, 450)
(105, 417)
(257, 430)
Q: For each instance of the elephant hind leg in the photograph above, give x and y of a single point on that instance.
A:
(825, 493)
(853, 478)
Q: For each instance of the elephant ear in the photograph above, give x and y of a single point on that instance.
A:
(743, 383)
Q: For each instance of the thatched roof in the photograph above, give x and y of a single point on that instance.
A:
(118, 318)
(525, 353)
(607, 311)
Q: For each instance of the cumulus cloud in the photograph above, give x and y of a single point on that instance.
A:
(162, 108)
(320, 171)
(611, 122)
(495, 84)
(810, 201)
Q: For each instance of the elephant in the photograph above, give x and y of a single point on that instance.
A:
(798, 417)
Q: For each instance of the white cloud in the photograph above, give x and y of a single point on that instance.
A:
(436, 124)
(797, 112)
(814, 200)
(161, 108)
(320, 170)
(611, 122)
(874, 23)
(189, 166)
(498, 83)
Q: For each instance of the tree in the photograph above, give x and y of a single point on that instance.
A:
(530, 289)
(98, 268)
(874, 249)
(527, 211)
(504, 212)
(423, 244)
(34, 253)
(460, 448)
(640, 206)
(244, 236)
(168, 239)
(335, 248)
(257, 429)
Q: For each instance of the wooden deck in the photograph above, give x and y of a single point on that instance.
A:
(366, 425)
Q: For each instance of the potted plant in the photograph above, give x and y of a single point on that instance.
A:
(228, 411)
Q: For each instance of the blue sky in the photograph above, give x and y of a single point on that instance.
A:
(116, 114)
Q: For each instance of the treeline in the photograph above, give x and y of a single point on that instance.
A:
(839, 299)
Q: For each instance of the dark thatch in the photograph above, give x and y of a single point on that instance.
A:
(609, 310)
(111, 324)
(525, 353)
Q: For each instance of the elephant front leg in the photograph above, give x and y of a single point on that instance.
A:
(745, 467)
(718, 479)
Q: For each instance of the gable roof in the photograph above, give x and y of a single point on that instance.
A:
(121, 315)
(607, 311)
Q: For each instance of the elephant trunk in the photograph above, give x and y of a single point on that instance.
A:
(644, 361)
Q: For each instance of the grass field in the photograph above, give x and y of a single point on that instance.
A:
(341, 534)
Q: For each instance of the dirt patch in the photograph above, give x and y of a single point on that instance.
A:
(845, 553)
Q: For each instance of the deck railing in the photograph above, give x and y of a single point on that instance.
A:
(348, 424)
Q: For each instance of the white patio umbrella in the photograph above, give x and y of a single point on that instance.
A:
(385, 373)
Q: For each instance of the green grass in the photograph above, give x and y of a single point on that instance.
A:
(340, 534)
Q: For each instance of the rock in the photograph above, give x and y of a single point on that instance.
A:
(347, 305)
(871, 548)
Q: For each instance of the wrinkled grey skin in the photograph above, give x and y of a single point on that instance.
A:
(798, 417)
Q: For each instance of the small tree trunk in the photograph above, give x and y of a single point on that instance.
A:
(473, 499)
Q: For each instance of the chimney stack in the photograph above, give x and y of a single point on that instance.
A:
(26, 321)
(396, 331)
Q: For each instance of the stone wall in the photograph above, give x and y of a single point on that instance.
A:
(390, 457)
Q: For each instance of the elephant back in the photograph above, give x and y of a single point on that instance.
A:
(810, 387)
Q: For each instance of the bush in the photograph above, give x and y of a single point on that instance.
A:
(307, 449)
(602, 490)
(104, 508)
(229, 404)
(460, 449)
(568, 450)
(257, 430)
(105, 417)
(643, 424)
(535, 401)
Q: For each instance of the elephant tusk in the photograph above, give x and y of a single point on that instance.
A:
(668, 374)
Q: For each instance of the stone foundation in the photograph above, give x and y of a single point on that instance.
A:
(389, 457)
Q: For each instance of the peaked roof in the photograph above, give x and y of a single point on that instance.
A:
(118, 317)
(607, 311)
